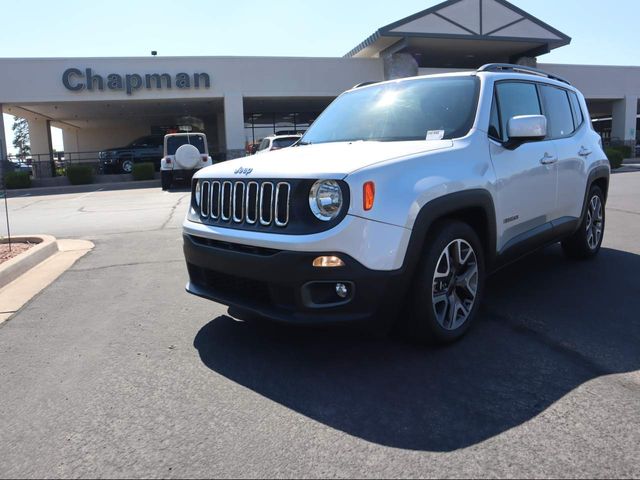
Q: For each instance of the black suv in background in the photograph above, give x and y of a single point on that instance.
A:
(121, 160)
(12, 166)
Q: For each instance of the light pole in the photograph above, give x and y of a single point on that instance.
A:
(3, 187)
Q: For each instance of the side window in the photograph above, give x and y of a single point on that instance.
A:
(516, 98)
(494, 121)
(558, 110)
(143, 142)
(578, 116)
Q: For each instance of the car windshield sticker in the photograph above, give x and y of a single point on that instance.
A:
(435, 134)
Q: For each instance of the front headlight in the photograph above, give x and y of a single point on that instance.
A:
(325, 199)
(197, 193)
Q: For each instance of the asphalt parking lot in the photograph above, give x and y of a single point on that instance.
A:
(114, 371)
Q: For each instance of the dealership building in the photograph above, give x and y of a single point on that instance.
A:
(101, 103)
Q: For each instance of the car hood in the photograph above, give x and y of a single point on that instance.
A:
(116, 149)
(326, 160)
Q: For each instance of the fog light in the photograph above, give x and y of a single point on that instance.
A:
(341, 290)
(328, 262)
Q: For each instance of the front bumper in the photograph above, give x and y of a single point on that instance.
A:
(284, 286)
(108, 166)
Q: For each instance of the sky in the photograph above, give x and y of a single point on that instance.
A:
(603, 32)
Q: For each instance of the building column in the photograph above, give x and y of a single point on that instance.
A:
(3, 138)
(70, 140)
(625, 113)
(222, 146)
(234, 125)
(400, 65)
(41, 148)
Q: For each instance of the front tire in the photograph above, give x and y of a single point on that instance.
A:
(449, 285)
(587, 241)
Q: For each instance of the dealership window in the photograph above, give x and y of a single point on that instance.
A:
(260, 125)
(284, 123)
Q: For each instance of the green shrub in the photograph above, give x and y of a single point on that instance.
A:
(625, 150)
(79, 174)
(143, 171)
(615, 157)
(17, 180)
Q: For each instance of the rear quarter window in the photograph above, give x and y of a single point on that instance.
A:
(578, 116)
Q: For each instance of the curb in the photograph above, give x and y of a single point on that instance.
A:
(17, 266)
(93, 187)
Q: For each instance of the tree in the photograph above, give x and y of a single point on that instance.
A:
(21, 137)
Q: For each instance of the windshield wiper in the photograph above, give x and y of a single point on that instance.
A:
(301, 144)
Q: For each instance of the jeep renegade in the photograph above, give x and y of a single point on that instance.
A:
(401, 198)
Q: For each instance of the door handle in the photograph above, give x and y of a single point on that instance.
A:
(548, 159)
(584, 152)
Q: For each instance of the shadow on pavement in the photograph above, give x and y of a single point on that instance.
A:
(548, 325)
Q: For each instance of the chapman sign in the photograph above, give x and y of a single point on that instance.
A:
(76, 80)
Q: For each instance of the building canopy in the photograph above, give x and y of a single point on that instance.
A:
(464, 34)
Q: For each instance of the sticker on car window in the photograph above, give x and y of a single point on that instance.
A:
(435, 134)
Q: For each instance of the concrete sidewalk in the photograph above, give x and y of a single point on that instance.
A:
(16, 294)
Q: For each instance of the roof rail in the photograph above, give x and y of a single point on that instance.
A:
(508, 67)
(363, 84)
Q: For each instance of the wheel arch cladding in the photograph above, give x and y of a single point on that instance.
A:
(598, 176)
(603, 183)
(474, 207)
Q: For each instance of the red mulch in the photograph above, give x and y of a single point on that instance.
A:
(16, 249)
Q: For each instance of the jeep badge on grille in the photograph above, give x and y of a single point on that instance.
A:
(243, 171)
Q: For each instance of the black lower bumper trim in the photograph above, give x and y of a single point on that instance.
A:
(284, 286)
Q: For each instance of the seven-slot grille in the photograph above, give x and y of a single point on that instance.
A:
(246, 202)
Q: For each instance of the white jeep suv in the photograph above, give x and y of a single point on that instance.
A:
(184, 154)
(399, 200)
(277, 142)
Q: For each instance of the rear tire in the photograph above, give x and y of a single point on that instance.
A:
(448, 286)
(587, 241)
(166, 177)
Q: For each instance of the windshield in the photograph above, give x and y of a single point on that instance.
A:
(173, 143)
(430, 108)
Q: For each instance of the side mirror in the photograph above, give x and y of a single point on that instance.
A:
(525, 128)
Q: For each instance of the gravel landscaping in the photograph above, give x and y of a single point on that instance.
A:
(16, 249)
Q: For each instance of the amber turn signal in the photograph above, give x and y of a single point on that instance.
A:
(369, 195)
(328, 262)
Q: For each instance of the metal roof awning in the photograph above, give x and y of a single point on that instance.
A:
(464, 33)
